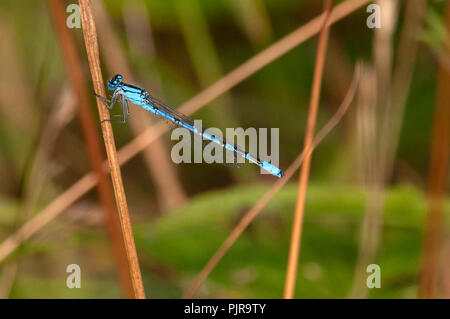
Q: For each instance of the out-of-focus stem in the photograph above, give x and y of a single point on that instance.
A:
(437, 178)
(253, 19)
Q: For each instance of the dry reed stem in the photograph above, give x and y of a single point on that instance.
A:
(297, 224)
(157, 158)
(90, 37)
(259, 206)
(83, 185)
(74, 67)
(438, 171)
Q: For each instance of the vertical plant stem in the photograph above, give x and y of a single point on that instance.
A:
(74, 69)
(366, 134)
(294, 249)
(437, 178)
(90, 38)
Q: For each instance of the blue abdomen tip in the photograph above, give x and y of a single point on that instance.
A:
(272, 169)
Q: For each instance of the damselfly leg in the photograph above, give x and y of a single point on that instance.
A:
(125, 109)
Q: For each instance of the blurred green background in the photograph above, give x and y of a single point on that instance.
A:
(180, 47)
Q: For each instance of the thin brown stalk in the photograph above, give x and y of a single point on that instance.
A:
(90, 37)
(138, 144)
(438, 171)
(259, 206)
(74, 67)
(170, 191)
(294, 249)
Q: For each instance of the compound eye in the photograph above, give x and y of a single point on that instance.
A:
(117, 79)
(114, 82)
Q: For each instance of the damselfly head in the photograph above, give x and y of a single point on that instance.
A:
(114, 82)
